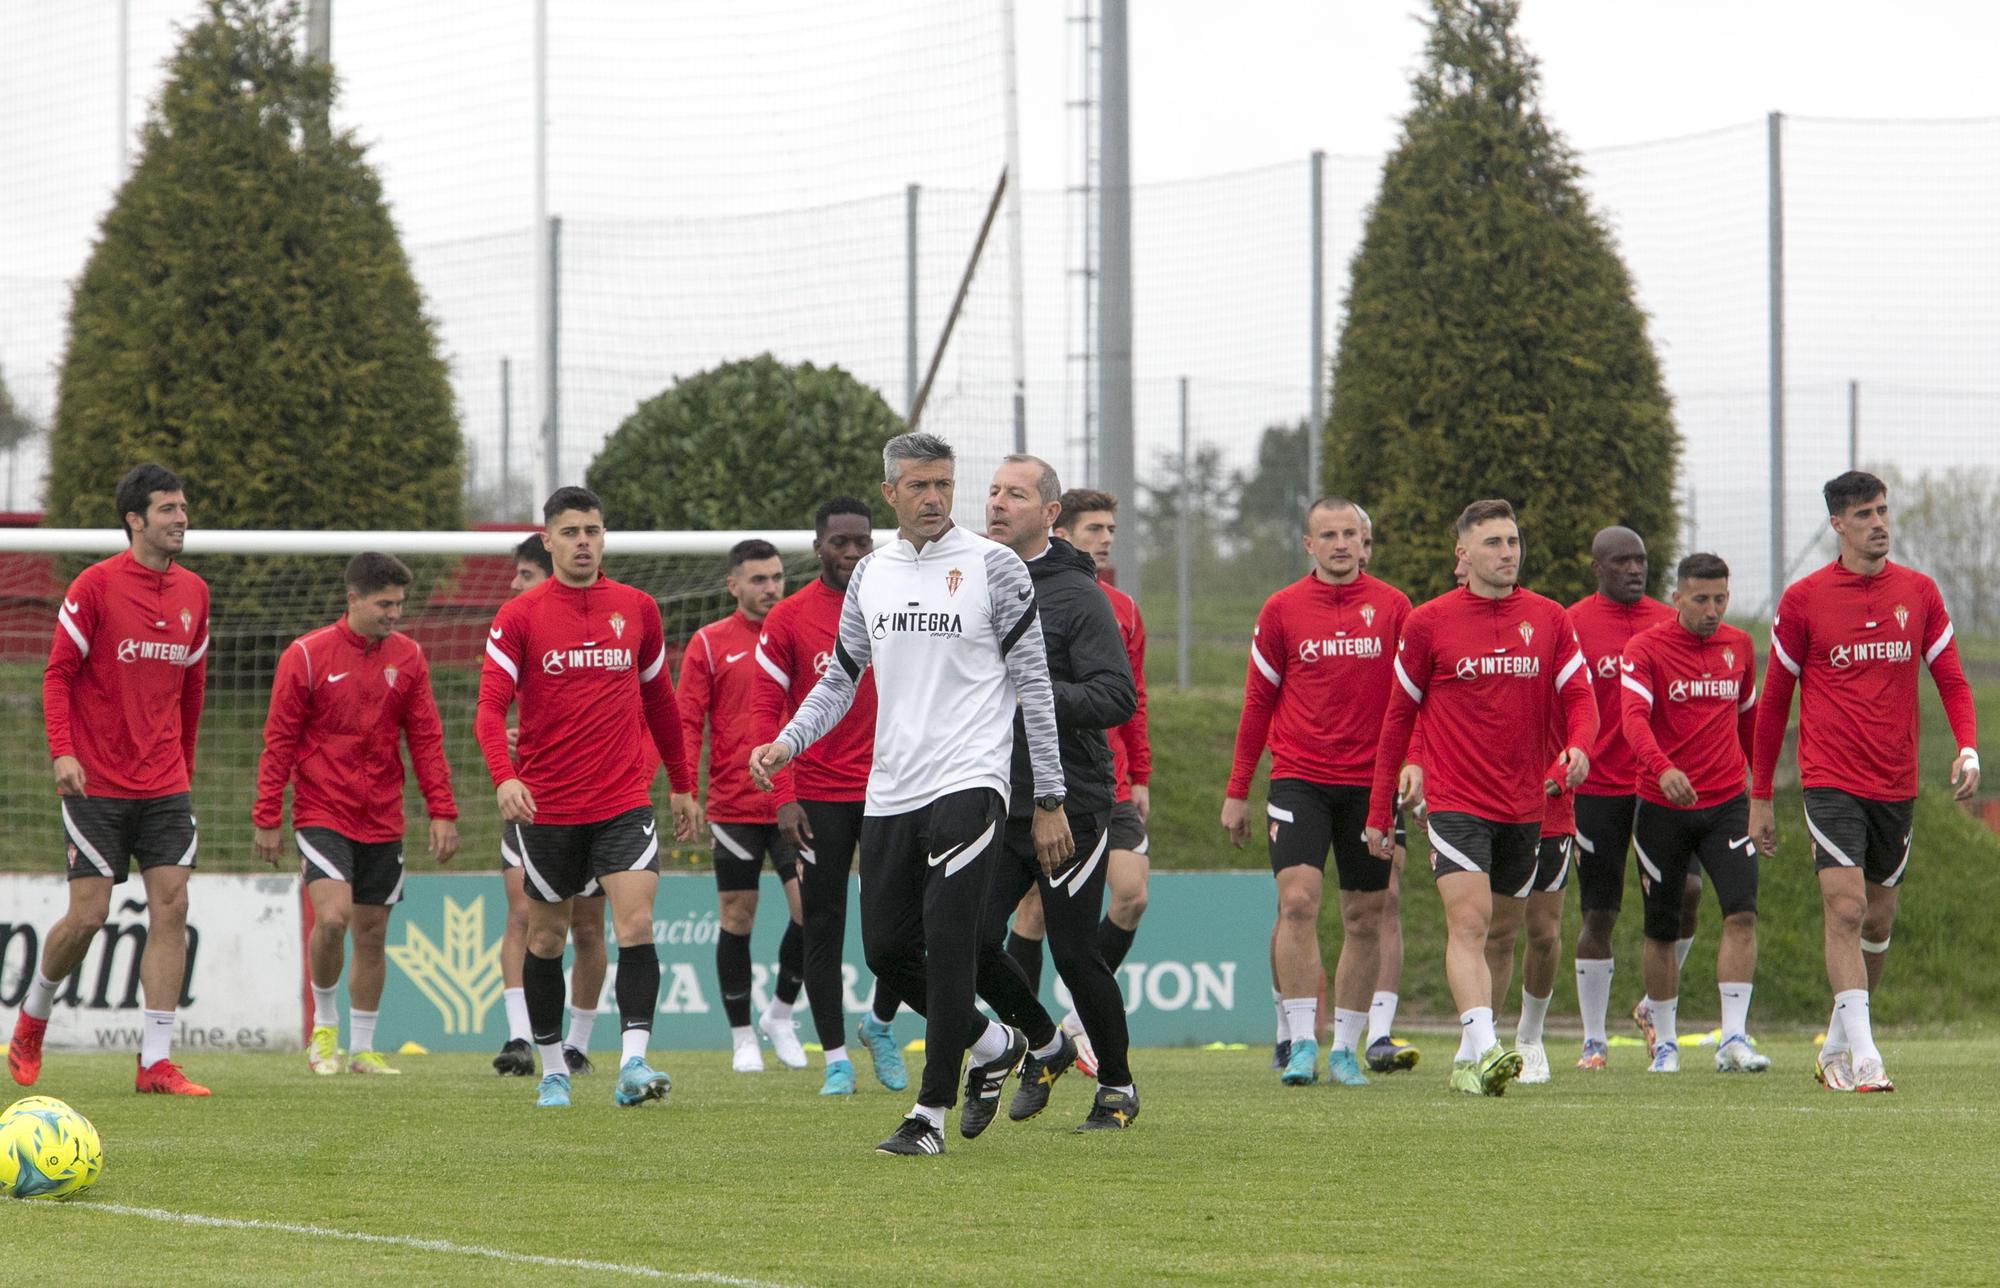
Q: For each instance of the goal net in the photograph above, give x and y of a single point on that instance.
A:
(267, 589)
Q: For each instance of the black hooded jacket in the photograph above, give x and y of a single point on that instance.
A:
(1091, 677)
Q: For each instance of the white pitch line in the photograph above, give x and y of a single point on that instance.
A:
(419, 1245)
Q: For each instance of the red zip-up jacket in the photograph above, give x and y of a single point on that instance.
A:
(718, 686)
(589, 664)
(1691, 705)
(339, 704)
(1131, 748)
(123, 688)
(1603, 626)
(1317, 682)
(1489, 675)
(795, 649)
(1851, 644)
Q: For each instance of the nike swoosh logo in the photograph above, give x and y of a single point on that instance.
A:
(940, 858)
(495, 632)
(735, 657)
(648, 828)
(336, 679)
(1024, 595)
(72, 606)
(1742, 841)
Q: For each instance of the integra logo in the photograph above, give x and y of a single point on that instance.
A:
(130, 650)
(1364, 646)
(559, 660)
(1842, 656)
(1683, 690)
(917, 622)
(1470, 668)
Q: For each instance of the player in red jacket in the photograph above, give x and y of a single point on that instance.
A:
(1315, 687)
(588, 964)
(343, 699)
(588, 658)
(121, 700)
(1488, 665)
(1689, 712)
(820, 795)
(719, 679)
(1850, 637)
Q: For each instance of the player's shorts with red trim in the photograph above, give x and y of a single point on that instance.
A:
(373, 868)
(1508, 853)
(741, 848)
(563, 860)
(104, 834)
(1854, 832)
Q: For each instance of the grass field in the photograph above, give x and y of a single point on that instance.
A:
(449, 1175)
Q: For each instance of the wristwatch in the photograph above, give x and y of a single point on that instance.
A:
(1049, 803)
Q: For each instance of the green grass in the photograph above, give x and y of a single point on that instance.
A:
(1225, 1178)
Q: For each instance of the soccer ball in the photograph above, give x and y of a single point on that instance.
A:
(47, 1150)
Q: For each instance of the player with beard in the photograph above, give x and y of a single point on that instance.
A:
(819, 795)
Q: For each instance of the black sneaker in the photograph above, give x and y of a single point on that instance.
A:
(516, 1059)
(983, 1083)
(1111, 1111)
(1038, 1079)
(1281, 1053)
(914, 1135)
(578, 1062)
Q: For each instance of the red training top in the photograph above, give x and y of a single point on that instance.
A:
(1489, 674)
(590, 666)
(1691, 705)
(1317, 682)
(795, 649)
(339, 703)
(1851, 644)
(718, 684)
(122, 691)
(1131, 750)
(1603, 626)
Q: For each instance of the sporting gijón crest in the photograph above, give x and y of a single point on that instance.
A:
(952, 581)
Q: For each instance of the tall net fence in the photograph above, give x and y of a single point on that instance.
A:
(736, 179)
(451, 605)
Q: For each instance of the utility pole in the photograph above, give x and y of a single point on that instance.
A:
(1114, 319)
(1775, 129)
(1316, 430)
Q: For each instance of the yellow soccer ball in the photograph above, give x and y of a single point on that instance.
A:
(47, 1150)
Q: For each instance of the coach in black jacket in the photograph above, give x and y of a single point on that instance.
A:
(1093, 692)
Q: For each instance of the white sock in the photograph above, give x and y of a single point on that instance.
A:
(1475, 1032)
(836, 1055)
(1054, 1045)
(990, 1045)
(326, 1009)
(1534, 1010)
(741, 1036)
(632, 1042)
(1735, 1009)
(364, 1030)
(1300, 1014)
(778, 1012)
(552, 1058)
(1278, 1005)
(41, 998)
(1836, 1034)
(158, 1039)
(580, 1024)
(1348, 1027)
(930, 1114)
(1593, 995)
(1128, 1088)
(1681, 947)
(516, 1001)
(1850, 1011)
(1665, 1016)
(1381, 1017)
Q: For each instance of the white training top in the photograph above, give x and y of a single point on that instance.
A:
(956, 643)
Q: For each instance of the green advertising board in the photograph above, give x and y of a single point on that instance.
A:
(1198, 973)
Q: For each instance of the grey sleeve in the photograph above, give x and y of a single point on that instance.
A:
(834, 694)
(1018, 626)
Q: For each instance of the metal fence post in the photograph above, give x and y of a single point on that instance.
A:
(1183, 553)
(1316, 428)
(1775, 131)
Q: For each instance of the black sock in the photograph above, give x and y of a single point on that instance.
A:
(886, 1003)
(638, 986)
(1028, 952)
(732, 971)
(542, 988)
(1114, 941)
(791, 963)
